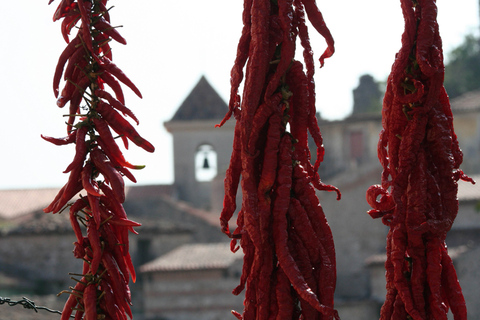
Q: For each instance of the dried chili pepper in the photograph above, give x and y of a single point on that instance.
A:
(98, 165)
(90, 302)
(61, 141)
(420, 156)
(271, 161)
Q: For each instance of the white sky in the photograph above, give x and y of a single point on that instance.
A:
(170, 44)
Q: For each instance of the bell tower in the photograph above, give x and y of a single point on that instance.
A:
(201, 152)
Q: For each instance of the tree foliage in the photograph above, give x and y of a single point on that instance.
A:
(462, 72)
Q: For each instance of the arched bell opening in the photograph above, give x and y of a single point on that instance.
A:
(205, 163)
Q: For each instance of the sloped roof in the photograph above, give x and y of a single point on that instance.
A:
(20, 201)
(152, 206)
(194, 257)
(38, 222)
(203, 103)
(469, 101)
(16, 202)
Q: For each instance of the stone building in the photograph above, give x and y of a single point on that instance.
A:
(201, 151)
(36, 248)
(194, 281)
(351, 163)
(182, 257)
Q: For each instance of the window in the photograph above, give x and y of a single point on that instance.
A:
(356, 145)
(205, 163)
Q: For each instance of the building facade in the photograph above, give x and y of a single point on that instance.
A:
(181, 220)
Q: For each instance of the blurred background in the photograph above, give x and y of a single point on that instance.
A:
(179, 54)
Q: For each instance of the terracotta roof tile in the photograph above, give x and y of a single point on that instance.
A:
(21, 210)
(194, 257)
(17, 202)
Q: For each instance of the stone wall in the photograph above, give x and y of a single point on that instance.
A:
(187, 137)
(468, 132)
(357, 236)
(194, 294)
(358, 310)
(44, 261)
(468, 270)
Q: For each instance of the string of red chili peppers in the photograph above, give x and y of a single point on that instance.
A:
(99, 166)
(289, 257)
(420, 155)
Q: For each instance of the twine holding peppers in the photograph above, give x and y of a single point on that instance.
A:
(420, 155)
(99, 166)
(289, 256)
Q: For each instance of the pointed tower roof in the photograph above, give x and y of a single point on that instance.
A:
(203, 103)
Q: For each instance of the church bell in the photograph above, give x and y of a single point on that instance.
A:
(205, 163)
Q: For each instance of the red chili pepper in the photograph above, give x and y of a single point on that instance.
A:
(103, 165)
(280, 235)
(103, 10)
(61, 141)
(77, 206)
(285, 300)
(109, 201)
(108, 303)
(232, 179)
(287, 50)
(71, 188)
(316, 18)
(261, 117)
(116, 104)
(420, 157)
(111, 147)
(80, 149)
(108, 66)
(67, 24)
(87, 181)
(90, 302)
(122, 296)
(306, 267)
(84, 7)
(52, 204)
(94, 204)
(121, 257)
(121, 169)
(94, 239)
(324, 268)
(277, 94)
(249, 251)
(102, 41)
(240, 60)
(117, 221)
(73, 88)
(64, 8)
(76, 64)
(107, 263)
(123, 127)
(114, 85)
(72, 300)
(103, 26)
(66, 54)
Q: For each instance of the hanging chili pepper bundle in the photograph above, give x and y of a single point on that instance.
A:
(420, 155)
(289, 257)
(98, 167)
